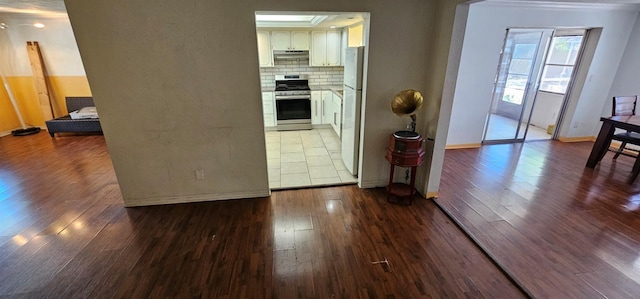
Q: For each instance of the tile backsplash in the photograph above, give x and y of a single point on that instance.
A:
(319, 77)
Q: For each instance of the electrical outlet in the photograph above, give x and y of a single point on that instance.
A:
(199, 174)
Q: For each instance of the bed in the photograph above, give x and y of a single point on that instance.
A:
(66, 124)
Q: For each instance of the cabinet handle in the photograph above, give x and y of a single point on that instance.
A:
(316, 107)
(322, 107)
(334, 119)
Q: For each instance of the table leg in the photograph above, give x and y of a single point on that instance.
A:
(601, 144)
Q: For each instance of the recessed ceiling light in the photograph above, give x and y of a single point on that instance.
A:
(332, 27)
(38, 25)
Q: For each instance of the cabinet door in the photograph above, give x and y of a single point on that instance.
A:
(300, 40)
(265, 56)
(333, 47)
(268, 109)
(337, 114)
(318, 50)
(316, 107)
(280, 40)
(327, 105)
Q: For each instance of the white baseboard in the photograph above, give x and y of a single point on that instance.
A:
(138, 202)
(374, 184)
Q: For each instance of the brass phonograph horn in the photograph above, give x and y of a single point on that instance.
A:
(407, 102)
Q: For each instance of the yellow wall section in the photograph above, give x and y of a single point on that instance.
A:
(356, 36)
(25, 92)
(8, 119)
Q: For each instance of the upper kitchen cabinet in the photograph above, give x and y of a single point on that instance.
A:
(325, 48)
(290, 40)
(265, 55)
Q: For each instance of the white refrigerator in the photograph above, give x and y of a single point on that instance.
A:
(351, 103)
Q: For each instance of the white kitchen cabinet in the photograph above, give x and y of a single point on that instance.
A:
(265, 55)
(327, 105)
(336, 110)
(290, 40)
(325, 48)
(316, 107)
(268, 109)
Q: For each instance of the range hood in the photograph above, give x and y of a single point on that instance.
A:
(290, 54)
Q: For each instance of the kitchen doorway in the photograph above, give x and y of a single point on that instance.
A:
(307, 56)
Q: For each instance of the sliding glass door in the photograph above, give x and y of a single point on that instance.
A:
(516, 83)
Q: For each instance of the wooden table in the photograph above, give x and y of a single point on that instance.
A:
(609, 125)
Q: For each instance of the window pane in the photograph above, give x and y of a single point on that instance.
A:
(524, 51)
(556, 78)
(564, 50)
(514, 88)
(520, 66)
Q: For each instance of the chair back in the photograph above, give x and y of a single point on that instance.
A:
(624, 105)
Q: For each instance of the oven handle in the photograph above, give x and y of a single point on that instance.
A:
(298, 97)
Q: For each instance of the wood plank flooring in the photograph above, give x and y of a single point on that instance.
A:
(561, 230)
(64, 233)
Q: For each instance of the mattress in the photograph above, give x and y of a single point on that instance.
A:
(84, 113)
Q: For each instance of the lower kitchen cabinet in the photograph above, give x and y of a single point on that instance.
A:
(336, 110)
(316, 107)
(268, 108)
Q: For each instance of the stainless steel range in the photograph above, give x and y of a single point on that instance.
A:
(293, 102)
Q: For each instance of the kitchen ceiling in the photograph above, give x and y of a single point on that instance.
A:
(307, 20)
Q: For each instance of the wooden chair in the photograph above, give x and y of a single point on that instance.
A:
(625, 105)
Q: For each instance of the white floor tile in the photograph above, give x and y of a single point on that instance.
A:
(274, 184)
(273, 163)
(294, 167)
(292, 157)
(320, 151)
(339, 165)
(346, 177)
(294, 180)
(333, 146)
(316, 172)
(273, 154)
(319, 161)
(274, 174)
(305, 158)
(335, 155)
(292, 148)
(326, 181)
(312, 144)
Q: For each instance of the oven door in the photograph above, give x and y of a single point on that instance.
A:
(293, 109)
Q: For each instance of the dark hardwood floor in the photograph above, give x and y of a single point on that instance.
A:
(64, 233)
(561, 230)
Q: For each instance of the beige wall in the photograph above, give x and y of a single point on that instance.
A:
(177, 86)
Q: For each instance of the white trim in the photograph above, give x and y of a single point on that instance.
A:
(567, 4)
(138, 202)
(373, 184)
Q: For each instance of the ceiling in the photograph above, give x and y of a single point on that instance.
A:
(307, 20)
(31, 8)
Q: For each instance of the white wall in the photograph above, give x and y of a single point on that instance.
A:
(57, 44)
(484, 38)
(546, 109)
(627, 78)
(171, 82)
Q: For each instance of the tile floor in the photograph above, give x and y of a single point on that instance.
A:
(305, 158)
(501, 127)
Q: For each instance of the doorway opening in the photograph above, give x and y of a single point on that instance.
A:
(533, 79)
(310, 57)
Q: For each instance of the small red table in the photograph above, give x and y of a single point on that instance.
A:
(405, 150)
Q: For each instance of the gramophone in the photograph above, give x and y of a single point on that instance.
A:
(405, 147)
